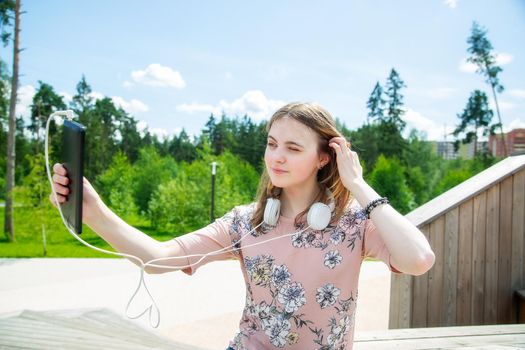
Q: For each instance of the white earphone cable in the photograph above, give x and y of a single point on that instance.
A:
(69, 115)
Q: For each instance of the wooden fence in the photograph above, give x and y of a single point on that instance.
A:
(477, 231)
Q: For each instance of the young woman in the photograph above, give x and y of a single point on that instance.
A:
(301, 281)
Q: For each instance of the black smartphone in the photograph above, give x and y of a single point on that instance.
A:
(73, 136)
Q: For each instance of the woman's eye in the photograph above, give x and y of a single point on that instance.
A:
(270, 144)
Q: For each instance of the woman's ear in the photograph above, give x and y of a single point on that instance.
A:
(323, 159)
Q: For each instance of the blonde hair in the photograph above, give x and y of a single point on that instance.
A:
(321, 122)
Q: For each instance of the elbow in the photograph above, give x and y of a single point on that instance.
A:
(424, 263)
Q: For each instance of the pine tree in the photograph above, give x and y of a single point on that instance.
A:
(376, 104)
(45, 102)
(11, 137)
(476, 115)
(482, 56)
(394, 85)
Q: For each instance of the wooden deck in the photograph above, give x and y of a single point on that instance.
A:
(492, 337)
(93, 329)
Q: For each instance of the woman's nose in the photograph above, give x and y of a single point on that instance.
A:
(279, 156)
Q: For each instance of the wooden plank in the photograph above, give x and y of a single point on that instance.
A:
(464, 292)
(41, 330)
(473, 337)
(400, 301)
(478, 258)
(517, 280)
(491, 256)
(498, 342)
(435, 275)
(419, 294)
(505, 294)
(393, 315)
(450, 268)
(440, 332)
(405, 300)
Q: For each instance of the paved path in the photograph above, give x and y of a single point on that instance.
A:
(201, 310)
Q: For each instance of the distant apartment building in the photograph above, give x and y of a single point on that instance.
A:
(515, 141)
(445, 149)
(466, 151)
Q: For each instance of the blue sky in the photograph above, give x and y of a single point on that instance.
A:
(172, 63)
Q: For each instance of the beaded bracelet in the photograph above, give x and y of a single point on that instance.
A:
(375, 203)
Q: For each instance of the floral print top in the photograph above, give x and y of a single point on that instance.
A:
(301, 290)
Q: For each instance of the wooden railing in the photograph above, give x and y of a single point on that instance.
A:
(477, 232)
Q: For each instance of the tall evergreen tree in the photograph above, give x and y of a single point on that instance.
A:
(45, 102)
(476, 115)
(7, 8)
(481, 55)
(130, 140)
(395, 111)
(375, 104)
(181, 148)
(82, 101)
(11, 137)
(4, 108)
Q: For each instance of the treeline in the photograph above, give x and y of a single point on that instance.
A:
(166, 181)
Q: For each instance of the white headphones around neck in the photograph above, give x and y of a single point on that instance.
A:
(318, 218)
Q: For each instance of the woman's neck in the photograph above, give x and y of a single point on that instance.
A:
(295, 200)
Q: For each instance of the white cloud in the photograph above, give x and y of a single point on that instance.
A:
(162, 134)
(517, 93)
(25, 99)
(451, 3)
(141, 127)
(253, 103)
(157, 75)
(95, 95)
(66, 97)
(435, 131)
(133, 106)
(467, 67)
(127, 84)
(515, 124)
(501, 59)
(503, 105)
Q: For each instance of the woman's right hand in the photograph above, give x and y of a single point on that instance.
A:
(90, 199)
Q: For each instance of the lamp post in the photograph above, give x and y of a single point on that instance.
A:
(213, 171)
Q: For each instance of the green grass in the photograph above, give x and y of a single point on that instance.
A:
(59, 241)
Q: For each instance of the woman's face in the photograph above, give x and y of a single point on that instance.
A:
(291, 155)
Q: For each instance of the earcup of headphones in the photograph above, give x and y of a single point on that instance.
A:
(271, 211)
(319, 216)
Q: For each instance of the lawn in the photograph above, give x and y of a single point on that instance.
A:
(31, 223)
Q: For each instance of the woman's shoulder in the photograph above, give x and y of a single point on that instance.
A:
(241, 212)
(353, 214)
(353, 207)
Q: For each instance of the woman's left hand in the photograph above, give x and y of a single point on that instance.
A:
(350, 169)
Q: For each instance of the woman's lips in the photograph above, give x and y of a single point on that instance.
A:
(278, 171)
